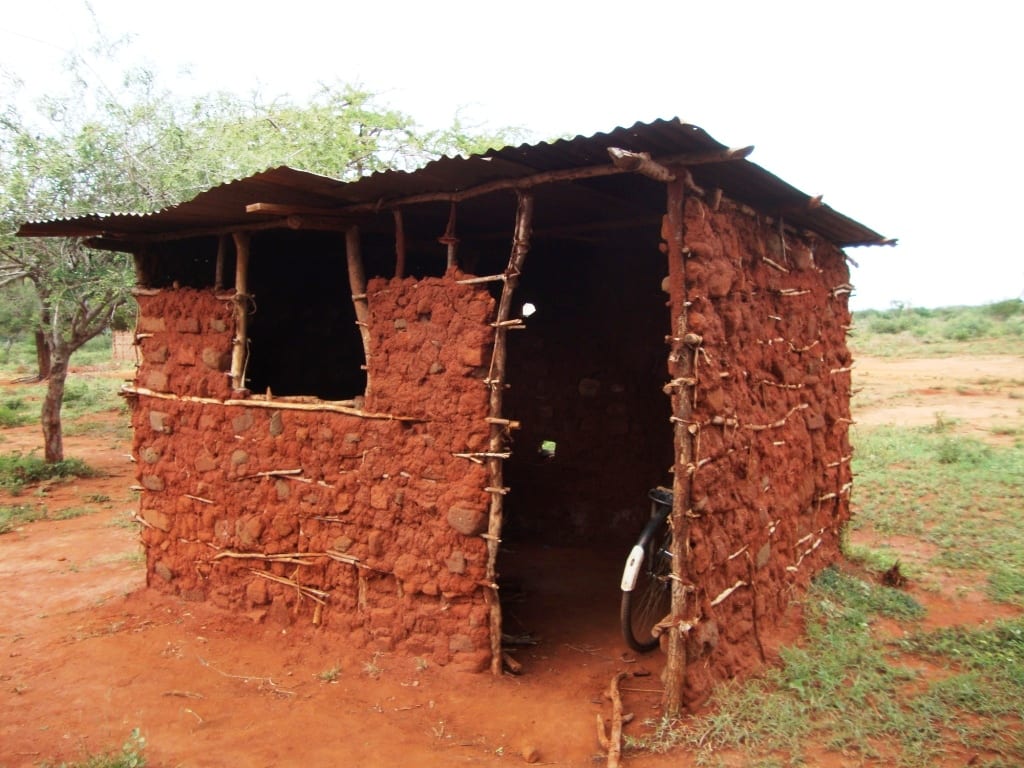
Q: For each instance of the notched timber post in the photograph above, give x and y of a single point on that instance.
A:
(496, 382)
(399, 245)
(357, 284)
(449, 240)
(681, 367)
(218, 275)
(241, 341)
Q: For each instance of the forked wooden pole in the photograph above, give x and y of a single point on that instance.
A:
(399, 245)
(218, 275)
(241, 340)
(449, 239)
(357, 284)
(681, 368)
(496, 381)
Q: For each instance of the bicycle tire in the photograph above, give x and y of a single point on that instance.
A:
(649, 599)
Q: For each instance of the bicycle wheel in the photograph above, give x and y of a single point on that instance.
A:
(646, 586)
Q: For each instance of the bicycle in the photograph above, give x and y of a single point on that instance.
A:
(646, 580)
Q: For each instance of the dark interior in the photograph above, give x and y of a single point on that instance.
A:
(303, 339)
(585, 381)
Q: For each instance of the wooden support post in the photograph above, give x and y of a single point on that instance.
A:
(357, 284)
(399, 245)
(239, 351)
(218, 275)
(496, 379)
(681, 367)
(450, 240)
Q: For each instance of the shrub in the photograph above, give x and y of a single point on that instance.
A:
(967, 328)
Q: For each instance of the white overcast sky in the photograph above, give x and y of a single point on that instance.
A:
(907, 116)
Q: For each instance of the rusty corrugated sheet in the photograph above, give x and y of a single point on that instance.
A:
(224, 205)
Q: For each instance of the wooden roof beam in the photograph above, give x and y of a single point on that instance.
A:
(520, 183)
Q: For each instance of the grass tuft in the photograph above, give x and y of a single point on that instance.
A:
(18, 470)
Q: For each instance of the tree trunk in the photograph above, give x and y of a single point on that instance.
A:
(42, 355)
(53, 436)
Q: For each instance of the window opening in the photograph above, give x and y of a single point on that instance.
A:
(302, 330)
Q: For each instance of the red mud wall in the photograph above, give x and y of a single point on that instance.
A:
(771, 472)
(381, 525)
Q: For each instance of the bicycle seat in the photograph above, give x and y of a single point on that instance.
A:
(661, 495)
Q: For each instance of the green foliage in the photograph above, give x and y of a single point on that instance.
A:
(11, 517)
(18, 470)
(136, 147)
(14, 412)
(18, 310)
(967, 328)
(130, 756)
(912, 331)
(1004, 310)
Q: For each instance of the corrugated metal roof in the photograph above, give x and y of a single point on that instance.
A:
(224, 206)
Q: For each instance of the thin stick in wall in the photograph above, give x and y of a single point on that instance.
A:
(316, 595)
(510, 423)
(477, 280)
(272, 473)
(774, 264)
(725, 593)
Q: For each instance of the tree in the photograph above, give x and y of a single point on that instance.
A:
(136, 148)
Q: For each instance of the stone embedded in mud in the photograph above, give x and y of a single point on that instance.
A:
(159, 422)
(282, 489)
(157, 519)
(187, 325)
(242, 422)
(213, 358)
(456, 562)
(461, 644)
(149, 454)
(149, 324)
(152, 482)
(814, 420)
(472, 356)
(763, 555)
(467, 521)
(163, 571)
(379, 497)
(156, 380)
(256, 593)
(276, 424)
(248, 531)
(205, 462)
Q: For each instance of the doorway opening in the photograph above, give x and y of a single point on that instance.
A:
(586, 382)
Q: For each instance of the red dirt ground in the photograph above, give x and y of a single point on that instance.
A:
(87, 653)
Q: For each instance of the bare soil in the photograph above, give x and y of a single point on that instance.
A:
(87, 653)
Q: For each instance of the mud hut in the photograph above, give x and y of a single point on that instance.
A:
(342, 410)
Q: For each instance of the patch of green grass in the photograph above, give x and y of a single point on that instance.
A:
(961, 495)
(11, 517)
(841, 689)
(71, 513)
(330, 674)
(84, 396)
(16, 412)
(130, 756)
(18, 470)
(852, 693)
